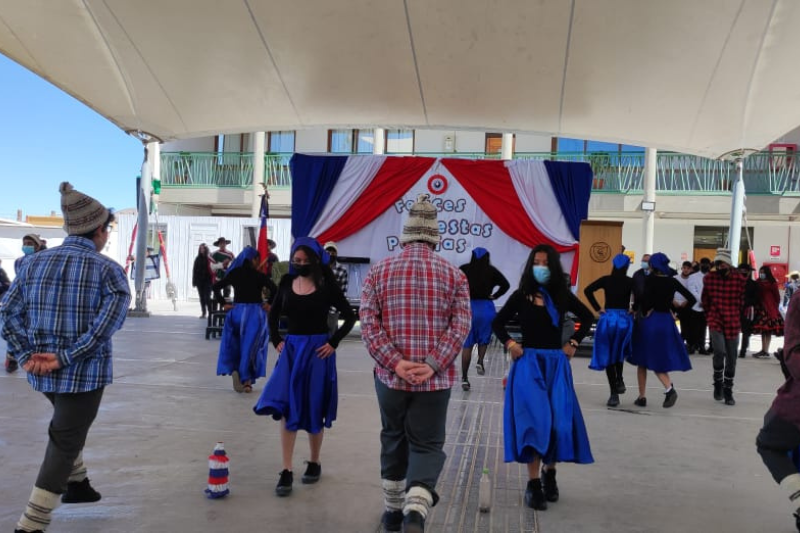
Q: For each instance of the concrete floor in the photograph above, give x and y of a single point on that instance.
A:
(690, 468)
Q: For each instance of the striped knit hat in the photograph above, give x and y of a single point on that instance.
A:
(421, 224)
(82, 214)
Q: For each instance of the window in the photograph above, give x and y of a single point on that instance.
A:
(399, 141)
(708, 238)
(281, 141)
(350, 141)
(365, 141)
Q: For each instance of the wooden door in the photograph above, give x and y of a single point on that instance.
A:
(600, 242)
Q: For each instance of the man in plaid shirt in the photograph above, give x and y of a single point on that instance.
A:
(59, 316)
(415, 315)
(340, 273)
(722, 300)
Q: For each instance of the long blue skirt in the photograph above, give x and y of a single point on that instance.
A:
(612, 339)
(657, 344)
(303, 388)
(245, 338)
(480, 332)
(541, 416)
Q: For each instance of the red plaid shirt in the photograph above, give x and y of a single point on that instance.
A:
(722, 300)
(415, 306)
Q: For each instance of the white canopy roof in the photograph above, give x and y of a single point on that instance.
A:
(700, 76)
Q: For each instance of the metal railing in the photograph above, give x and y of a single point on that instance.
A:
(614, 172)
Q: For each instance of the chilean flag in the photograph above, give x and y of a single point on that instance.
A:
(261, 245)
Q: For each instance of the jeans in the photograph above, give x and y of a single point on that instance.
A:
(774, 442)
(412, 435)
(73, 415)
(724, 360)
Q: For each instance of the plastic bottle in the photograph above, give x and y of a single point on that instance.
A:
(485, 492)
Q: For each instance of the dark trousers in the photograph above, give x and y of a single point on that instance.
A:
(747, 330)
(73, 415)
(614, 376)
(774, 442)
(412, 435)
(693, 328)
(204, 291)
(724, 360)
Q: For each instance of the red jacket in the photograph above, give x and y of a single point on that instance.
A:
(787, 402)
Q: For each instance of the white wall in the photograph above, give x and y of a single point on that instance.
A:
(311, 141)
(470, 141)
(199, 144)
(430, 140)
(533, 143)
(768, 234)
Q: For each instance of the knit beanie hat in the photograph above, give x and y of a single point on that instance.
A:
(82, 213)
(421, 224)
(724, 255)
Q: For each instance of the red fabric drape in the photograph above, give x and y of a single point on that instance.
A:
(395, 177)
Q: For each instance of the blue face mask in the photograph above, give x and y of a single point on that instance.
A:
(541, 274)
(645, 265)
(27, 250)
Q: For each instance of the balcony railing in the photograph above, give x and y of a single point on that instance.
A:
(676, 173)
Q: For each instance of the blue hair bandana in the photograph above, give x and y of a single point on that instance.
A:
(621, 261)
(477, 253)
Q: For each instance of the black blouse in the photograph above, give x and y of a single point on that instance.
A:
(537, 328)
(659, 292)
(618, 290)
(480, 288)
(308, 314)
(247, 284)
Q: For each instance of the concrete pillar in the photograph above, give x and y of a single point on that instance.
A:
(737, 212)
(507, 147)
(258, 171)
(649, 215)
(379, 141)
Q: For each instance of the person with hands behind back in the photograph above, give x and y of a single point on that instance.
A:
(542, 418)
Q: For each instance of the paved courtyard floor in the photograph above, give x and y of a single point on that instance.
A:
(691, 468)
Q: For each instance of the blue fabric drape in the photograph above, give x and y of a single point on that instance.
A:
(319, 175)
(572, 185)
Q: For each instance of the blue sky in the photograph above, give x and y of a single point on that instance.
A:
(47, 137)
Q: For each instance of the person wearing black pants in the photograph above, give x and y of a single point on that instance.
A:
(780, 435)
(202, 279)
(750, 297)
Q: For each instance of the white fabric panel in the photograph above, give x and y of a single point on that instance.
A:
(356, 176)
(535, 191)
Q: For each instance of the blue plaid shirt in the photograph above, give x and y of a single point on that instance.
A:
(67, 300)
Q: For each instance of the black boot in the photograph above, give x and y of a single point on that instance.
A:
(718, 391)
(413, 523)
(80, 492)
(534, 496)
(550, 485)
(727, 393)
(392, 520)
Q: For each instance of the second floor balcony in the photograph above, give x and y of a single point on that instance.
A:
(614, 173)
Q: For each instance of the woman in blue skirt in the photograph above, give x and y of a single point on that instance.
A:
(542, 421)
(482, 278)
(612, 338)
(245, 335)
(657, 343)
(302, 391)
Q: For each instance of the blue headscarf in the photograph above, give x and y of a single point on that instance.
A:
(248, 254)
(477, 253)
(621, 261)
(315, 247)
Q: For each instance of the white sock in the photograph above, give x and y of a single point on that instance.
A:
(791, 485)
(37, 512)
(666, 391)
(418, 499)
(394, 494)
(78, 472)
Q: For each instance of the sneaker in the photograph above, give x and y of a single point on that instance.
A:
(392, 520)
(760, 354)
(550, 485)
(613, 400)
(640, 402)
(11, 364)
(312, 474)
(718, 391)
(670, 398)
(284, 487)
(413, 523)
(465, 386)
(534, 495)
(621, 387)
(480, 369)
(80, 492)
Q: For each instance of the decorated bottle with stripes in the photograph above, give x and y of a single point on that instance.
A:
(218, 473)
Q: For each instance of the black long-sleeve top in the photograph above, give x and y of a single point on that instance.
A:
(201, 271)
(659, 292)
(750, 292)
(480, 287)
(247, 285)
(617, 289)
(537, 328)
(639, 280)
(308, 314)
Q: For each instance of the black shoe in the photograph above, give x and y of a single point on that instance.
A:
(284, 487)
(312, 474)
(534, 495)
(718, 391)
(640, 402)
(80, 492)
(742, 354)
(550, 485)
(613, 400)
(760, 354)
(465, 386)
(480, 369)
(728, 395)
(413, 523)
(670, 397)
(11, 364)
(23, 531)
(797, 520)
(392, 520)
(621, 387)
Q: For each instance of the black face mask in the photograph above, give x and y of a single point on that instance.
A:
(302, 270)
